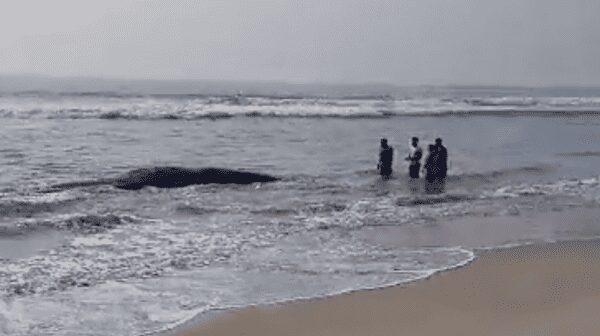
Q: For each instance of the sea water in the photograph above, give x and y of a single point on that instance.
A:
(102, 261)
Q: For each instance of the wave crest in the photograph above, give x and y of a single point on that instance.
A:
(76, 223)
(196, 107)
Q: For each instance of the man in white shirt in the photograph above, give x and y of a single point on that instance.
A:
(414, 158)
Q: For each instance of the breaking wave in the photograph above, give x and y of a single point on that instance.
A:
(29, 205)
(198, 107)
(76, 223)
(581, 154)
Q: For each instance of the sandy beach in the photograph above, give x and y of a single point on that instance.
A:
(549, 289)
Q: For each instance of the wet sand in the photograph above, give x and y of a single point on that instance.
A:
(549, 289)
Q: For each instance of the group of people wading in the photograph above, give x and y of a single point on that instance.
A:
(435, 166)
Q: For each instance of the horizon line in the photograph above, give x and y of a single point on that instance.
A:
(297, 83)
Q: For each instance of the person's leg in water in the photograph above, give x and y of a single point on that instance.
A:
(414, 185)
(386, 172)
(413, 170)
(431, 170)
(440, 184)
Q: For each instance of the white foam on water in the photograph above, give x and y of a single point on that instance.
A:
(394, 277)
(148, 108)
(140, 274)
(565, 187)
(147, 276)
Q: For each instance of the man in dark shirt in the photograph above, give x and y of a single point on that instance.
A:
(442, 159)
(386, 156)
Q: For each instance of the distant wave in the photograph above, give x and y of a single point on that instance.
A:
(218, 115)
(195, 107)
(581, 154)
(503, 101)
(231, 97)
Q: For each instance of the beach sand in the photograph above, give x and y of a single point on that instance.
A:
(549, 289)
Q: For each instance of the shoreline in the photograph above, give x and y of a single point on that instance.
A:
(204, 317)
(526, 282)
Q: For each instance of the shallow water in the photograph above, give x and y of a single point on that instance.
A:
(124, 263)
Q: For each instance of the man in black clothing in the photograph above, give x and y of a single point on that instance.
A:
(442, 159)
(386, 156)
(431, 166)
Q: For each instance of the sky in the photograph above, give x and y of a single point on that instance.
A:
(402, 42)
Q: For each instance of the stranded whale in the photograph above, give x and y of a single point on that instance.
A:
(172, 177)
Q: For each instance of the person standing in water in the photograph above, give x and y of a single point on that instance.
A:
(414, 157)
(386, 156)
(431, 166)
(442, 159)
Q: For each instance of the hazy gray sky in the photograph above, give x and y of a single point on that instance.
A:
(526, 42)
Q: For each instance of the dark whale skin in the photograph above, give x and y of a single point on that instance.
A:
(171, 177)
(176, 177)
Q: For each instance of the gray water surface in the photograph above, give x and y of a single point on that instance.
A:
(117, 262)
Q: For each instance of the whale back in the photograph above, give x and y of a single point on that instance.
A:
(226, 176)
(170, 177)
(175, 177)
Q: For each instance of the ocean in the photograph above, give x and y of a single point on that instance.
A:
(98, 260)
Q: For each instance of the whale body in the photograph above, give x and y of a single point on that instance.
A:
(173, 177)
